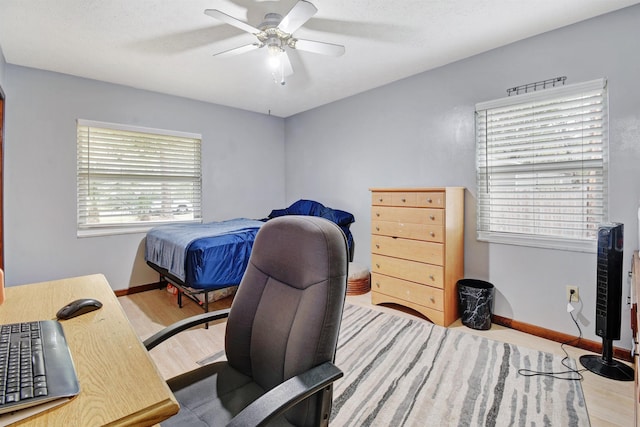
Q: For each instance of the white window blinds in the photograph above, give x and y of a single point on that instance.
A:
(542, 167)
(129, 176)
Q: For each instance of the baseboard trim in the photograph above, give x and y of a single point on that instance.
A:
(583, 343)
(138, 289)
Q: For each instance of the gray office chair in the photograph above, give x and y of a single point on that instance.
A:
(281, 333)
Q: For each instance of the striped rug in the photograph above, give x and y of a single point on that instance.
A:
(408, 372)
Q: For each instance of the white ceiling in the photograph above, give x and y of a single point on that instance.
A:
(167, 45)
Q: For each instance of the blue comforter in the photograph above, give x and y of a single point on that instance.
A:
(203, 255)
(215, 255)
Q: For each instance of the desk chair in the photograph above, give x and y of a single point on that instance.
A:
(281, 333)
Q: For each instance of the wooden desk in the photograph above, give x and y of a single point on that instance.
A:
(119, 383)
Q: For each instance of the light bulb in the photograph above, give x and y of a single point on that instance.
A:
(276, 63)
(274, 57)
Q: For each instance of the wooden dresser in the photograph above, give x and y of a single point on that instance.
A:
(417, 249)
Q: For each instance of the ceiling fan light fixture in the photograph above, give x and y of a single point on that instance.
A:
(276, 32)
(275, 53)
(276, 65)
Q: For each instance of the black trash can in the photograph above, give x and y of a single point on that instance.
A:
(476, 303)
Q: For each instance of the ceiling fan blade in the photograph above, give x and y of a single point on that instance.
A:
(237, 50)
(297, 16)
(319, 47)
(214, 13)
(287, 68)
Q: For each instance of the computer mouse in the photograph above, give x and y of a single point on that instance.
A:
(78, 307)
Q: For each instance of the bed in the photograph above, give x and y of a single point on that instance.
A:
(206, 261)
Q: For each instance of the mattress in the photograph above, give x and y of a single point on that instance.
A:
(203, 256)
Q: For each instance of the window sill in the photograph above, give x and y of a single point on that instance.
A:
(117, 230)
(589, 246)
(97, 232)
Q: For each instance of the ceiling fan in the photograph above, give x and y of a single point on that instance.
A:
(276, 33)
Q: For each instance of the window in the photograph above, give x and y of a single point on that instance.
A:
(131, 178)
(542, 167)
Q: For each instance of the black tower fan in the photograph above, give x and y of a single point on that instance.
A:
(609, 304)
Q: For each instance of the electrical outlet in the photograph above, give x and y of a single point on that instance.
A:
(572, 293)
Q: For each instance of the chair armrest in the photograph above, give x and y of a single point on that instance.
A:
(180, 326)
(286, 395)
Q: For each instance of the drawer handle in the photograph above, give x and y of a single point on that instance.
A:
(377, 228)
(404, 200)
(431, 217)
(429, 200)
(432, 299)
(377, 265)
(380, 199)
(431, 277)
(432, 234)
(377, 214)
(377, 246)
(378, 284)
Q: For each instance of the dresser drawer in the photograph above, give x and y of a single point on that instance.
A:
(411, 215)
(408, 291)
(418, 199)
(430, 200)
(381, 199)
(415, 250)
(431, 233)
(426, 274)
(404, 199)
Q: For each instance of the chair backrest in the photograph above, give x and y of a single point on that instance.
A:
(286, 314)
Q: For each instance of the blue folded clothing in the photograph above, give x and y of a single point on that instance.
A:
(312, 208)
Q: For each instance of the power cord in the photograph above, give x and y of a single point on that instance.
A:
(571, 374)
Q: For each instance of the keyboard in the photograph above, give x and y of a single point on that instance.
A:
(35, 365)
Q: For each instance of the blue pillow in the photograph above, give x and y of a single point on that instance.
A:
(313, 208)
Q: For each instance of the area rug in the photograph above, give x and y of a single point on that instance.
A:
(408, 372)
(401, 371)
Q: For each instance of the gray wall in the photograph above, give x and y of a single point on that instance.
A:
(415, 132)
(420, 132)
(3, 64)
(243, 170)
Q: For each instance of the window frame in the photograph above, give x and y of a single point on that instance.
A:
(582, 244)
(83, 172)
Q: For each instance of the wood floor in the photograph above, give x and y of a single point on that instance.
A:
(610, 403)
